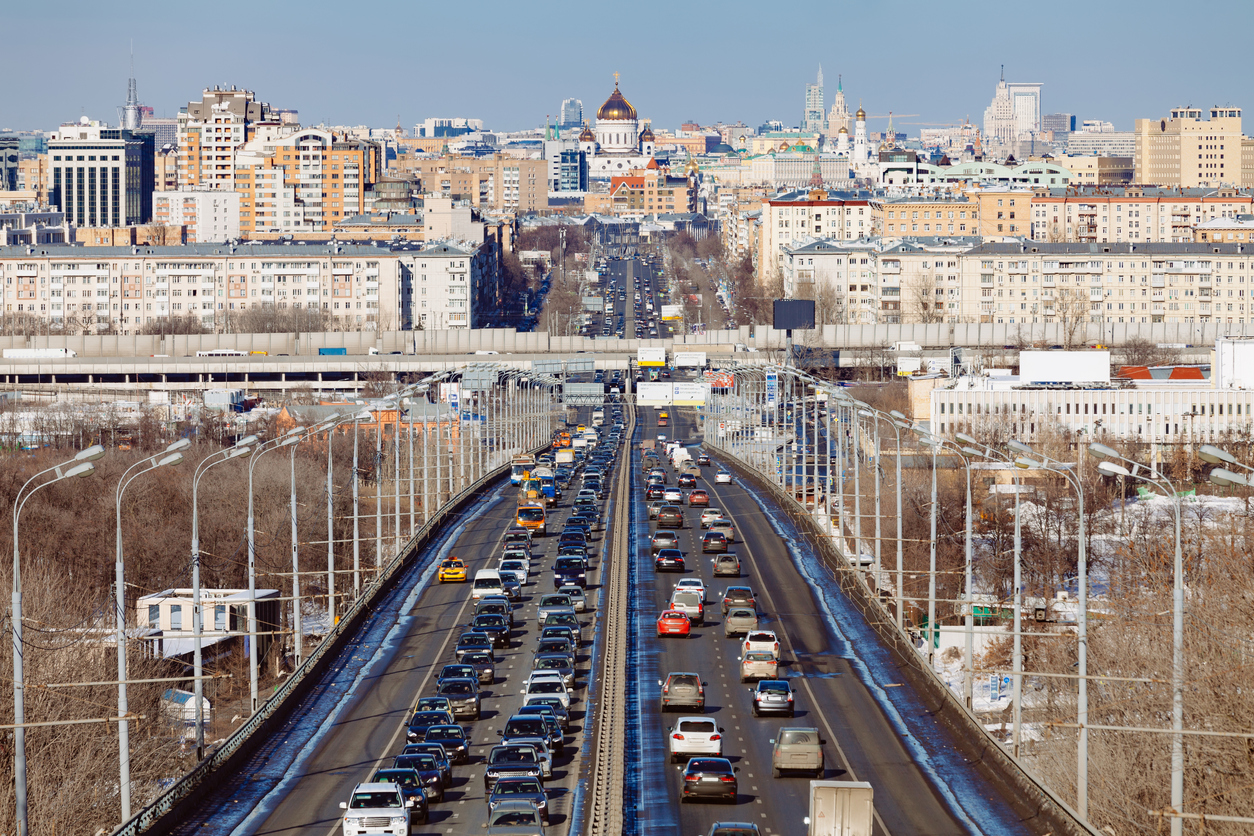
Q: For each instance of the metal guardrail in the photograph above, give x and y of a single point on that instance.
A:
(605, 809)
(1013, 778)
(193, 784)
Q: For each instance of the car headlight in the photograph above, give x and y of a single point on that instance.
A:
(398, 820)
(432, 779)
(352, 822)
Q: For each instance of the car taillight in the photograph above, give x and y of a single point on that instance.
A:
(695, 776)
(716, 737)
(790, 697)
(677, 736)
(728, 779)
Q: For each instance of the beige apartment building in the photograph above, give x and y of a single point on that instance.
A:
(926, 217)
(800, 216)
(125, 288)
(1132, 214)
(496, 184)
(32, 175)
(1188, 151)
(1100, 171)
(210, 131)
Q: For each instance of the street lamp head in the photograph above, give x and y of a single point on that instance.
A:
(1101, 451)
(294, 431)
(1024, 463)
(966, 439)
(90, 454)
(289, 441)
(899, 415)
(927, 439)
(972, 451)
(247, 441)
(1112, 469)
(237, 451)
(1214, 455)
(1020, 448)
(80, 469)
(170, 460)
(181, 444)
(1225, 478)
(866, 413)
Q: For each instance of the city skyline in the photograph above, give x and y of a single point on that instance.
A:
(695, 87)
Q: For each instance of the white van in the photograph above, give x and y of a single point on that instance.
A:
(487, 582)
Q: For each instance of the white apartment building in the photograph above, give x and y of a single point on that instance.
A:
(799, 217)
(85, 290)
(446, 285)
(210, 215)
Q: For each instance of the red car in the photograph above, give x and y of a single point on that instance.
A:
(699, 497)
(673, 623)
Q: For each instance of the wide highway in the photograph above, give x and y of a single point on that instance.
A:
(833, 693)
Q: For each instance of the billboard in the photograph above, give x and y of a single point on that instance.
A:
(593, 303)
(448, 393)
(651, 356)
(672, 312)
(1064, 366)
(688, 394)
(720, 380)
(653, 394)
(793, 314)
(690, 358)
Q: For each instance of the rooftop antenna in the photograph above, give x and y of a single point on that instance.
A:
(132, 118)
(1003, 72)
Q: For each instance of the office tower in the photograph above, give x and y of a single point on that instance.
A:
(1187, 150)
(813, 119)
(101, 176)
(571, 114)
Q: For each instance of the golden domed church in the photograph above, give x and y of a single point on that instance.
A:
(620, 144)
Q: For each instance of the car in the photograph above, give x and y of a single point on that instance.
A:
(429, 773)
(764, 640)
(738, 596)
(682, 688)
(556, 740)
(553, 704)
(691, 603)
(758, 664)
(562, 631)
(570, 571)
(495, 626)
(692, 736)
(693, 585)
(554, 602)
(411, 789)
(670, 516)
(376, 808)
(698, 498)
(453, 738)
(703, 460)
(515, 818)
(433, 704)
(687, 480)
(484, 665)
(709, 778)
(723, 477)
(548, 688)
(663, 540)
(556, 645)
(725, 526)
(499, 605)
(578, 599)
(436, 751)
(519, 569)
(452, 570)
(673, 623)
(654, 507)
(773, 696)
(520, 536)
(529, 790)
(454, 672)
(510, 761)
(473, 641)
(423, 720)
(562, 663)
(653, 492)
(669, 560)
(739, 621)
(660, 473)
(797, 749)
(727, 565)
(463, 693)
(709, 515)
(714, 542)
(673, 495)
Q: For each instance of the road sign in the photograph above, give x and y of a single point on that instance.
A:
(651, 356)
(772, 388)
(546, 366)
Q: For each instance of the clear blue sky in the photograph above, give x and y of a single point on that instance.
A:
(510, 63)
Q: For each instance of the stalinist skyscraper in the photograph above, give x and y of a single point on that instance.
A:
(839, 116)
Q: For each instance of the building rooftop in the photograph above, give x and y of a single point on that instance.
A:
(292, 248)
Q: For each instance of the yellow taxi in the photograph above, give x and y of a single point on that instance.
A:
(452, 569)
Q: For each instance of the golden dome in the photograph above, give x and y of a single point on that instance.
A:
(586, 134)
(617, 108)
(861, 114)
(843, 130)
(647, 134)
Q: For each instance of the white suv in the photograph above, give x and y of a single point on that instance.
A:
(693, 737)
(376, 808)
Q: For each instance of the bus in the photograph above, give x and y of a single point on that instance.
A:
(663, 419)
(222, 352)
(531, 517)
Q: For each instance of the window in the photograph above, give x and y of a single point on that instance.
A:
(154, 616)
(176, 616)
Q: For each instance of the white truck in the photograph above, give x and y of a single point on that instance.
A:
(566, 455)
(840, 808)
(38, 353)
(598, 417)
(906, 345)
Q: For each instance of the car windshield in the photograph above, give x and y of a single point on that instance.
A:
(703, 726)
(531, 514)
(547, 687)
(426, 717)
(478, 659)
(446, 733)
(470, 640)
(490, 620)
(554, 601)
(568, 563)
(512, 564)
(374, 800)
(513, 754)
(550, 664)
(515, 786)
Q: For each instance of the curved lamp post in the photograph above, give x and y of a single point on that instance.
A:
(80, 465)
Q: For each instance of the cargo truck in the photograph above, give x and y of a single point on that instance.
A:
(38, 353)
(332, 351)
(565, 456)
(840, 808)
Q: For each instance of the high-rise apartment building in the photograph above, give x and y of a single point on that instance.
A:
(306, 181)
(209, 215)
(8, 163)
(497, 183)
(814, 118)
(210, 131)
(101, 176)
(1189, 151)
(571, 114)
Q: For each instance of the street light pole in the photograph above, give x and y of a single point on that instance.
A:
(80, 465)
(172, 455)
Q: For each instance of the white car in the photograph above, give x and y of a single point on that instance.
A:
(723, 477)
(551, 687)
(672, 495)
(694, 737)
(761, 640)
(577, 598)
(709, 515)
(515, 568)
(376, 808)
(692, 585)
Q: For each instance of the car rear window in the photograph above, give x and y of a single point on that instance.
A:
(683, 679)
(703, 726)
(759, 656)
(789, 737)
(689, 598)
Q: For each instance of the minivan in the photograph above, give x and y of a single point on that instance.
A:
(798, 749)
(487, 582)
